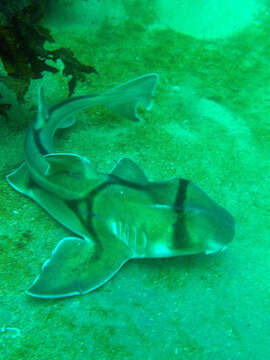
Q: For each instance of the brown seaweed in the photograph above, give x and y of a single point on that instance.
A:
(22, 50)
(4, 108)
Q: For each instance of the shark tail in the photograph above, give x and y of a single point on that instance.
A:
(124, 99)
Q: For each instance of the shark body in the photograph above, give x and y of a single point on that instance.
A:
(113, 217)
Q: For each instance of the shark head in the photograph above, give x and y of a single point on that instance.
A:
(210, 227)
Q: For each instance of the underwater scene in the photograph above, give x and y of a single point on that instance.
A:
(135, 143)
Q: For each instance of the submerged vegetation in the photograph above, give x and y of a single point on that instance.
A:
(22, 51)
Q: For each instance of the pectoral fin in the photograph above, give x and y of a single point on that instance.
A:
(78, 266)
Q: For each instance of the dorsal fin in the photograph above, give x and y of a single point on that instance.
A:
(127, 170)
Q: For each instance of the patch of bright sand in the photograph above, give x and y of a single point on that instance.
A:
(207, 19)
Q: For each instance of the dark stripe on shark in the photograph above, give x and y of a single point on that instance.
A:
(88, 200)
(74, 205)
(181, 194)
(180, 234)
(38, 143)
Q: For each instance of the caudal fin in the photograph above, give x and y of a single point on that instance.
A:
(124, 99)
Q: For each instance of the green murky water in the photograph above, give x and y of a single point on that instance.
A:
(210, 124)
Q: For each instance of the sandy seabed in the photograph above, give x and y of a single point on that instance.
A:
(209, 124)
